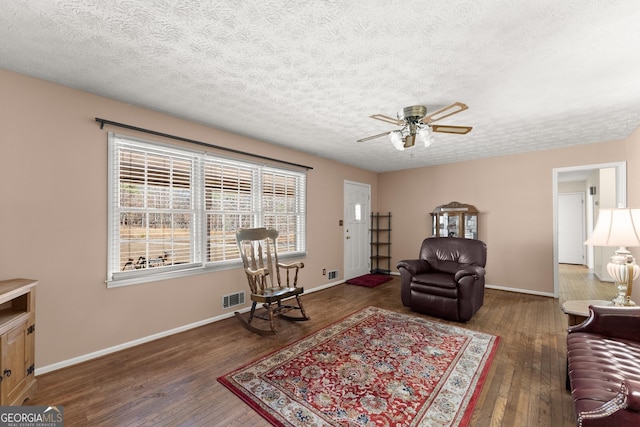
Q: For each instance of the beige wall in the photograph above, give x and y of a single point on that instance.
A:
(53, 183)
(513, 194)
(572, 187)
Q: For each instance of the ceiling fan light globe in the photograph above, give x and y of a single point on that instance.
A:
(425, 135)
(396, 139)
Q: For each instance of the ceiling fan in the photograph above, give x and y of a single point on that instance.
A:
(416, 122)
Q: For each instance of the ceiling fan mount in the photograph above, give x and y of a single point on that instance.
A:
(414, 113)
(415, 121)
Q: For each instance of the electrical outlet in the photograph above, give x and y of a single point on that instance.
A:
(324, 271)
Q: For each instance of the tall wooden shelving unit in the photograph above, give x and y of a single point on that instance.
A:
(380, 243)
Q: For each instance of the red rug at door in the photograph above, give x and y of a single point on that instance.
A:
(370, 280)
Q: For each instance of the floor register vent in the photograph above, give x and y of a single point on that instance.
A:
(333, 274)
(232, 300)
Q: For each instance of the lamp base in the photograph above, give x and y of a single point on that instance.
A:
(623, 300)
(623, 268)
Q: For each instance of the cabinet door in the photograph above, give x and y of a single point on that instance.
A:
(454, 225)
(13, 367)
(471, 226)
(447, 224)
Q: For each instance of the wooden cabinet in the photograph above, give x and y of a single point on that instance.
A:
(381, 243)
(17, 341)
(455, 220)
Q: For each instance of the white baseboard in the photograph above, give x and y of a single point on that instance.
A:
(328, 285)
(601, 278)
(115, 348)
(521, 291)
(104, 352)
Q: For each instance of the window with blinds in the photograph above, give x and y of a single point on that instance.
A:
(174, 210)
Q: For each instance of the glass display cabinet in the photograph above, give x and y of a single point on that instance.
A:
(455, 220)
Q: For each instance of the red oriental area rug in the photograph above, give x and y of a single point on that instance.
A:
(374, 368)
(370, 280)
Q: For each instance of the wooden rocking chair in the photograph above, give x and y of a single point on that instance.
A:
(258, 249)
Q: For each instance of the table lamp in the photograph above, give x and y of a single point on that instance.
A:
(619, 227)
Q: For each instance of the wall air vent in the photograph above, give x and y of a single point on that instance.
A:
(232, 300)
(333, 274)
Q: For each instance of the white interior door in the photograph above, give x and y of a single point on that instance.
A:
(357, 209)
(571, 228)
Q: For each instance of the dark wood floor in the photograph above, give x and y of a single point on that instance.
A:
(172, 381)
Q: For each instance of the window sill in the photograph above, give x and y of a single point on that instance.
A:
(156, 277)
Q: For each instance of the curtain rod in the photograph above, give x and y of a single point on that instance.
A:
(193, 141)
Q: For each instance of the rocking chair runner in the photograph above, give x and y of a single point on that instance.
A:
(258, 249)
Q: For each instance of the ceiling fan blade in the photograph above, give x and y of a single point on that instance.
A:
(373, 137)
(447, 111)
(451, 129)
(388, 119)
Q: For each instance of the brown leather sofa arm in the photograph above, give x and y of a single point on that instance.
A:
(614, 322)
(414, 266)
(628, 399)
(470, 270)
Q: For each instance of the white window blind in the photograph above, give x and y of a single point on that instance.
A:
(174, 209)
(283, 206)
(229, 204)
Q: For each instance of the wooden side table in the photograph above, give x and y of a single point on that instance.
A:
(577, 311)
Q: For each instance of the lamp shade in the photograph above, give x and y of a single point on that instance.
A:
(616, 227)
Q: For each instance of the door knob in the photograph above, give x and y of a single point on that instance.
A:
(348, 237)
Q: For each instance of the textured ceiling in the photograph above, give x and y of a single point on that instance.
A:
(307, 75)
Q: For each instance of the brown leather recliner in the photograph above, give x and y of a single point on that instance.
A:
(447, 280)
